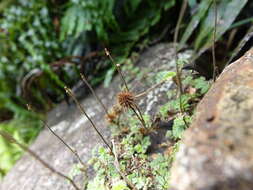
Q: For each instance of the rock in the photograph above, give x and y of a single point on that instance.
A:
(217, 150)
(74, 128)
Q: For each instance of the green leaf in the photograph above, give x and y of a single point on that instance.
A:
(179, 126)
(202, 10)
(225, 17)
(164, 75)
(169, 4)
(69, 22)
(201, 84)
(119, 185)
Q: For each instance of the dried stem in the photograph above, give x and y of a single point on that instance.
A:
(143, 121)
(9, 138)
(178, 72)
(150, 89)
(70, 93)
(117, 67)
(181, 15)
(135, 108)
(57, 136)
(137, 112)
(117, 166)
(71, 149)
(214, 38)
(93, 92)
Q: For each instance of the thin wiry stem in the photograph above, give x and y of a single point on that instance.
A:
(9, 138)
(117, 67)
(181, 15)
(139, 115)
(214, 38)
(58, 137)
(70, 93)
(150, 89)
(71, 149)
(178, 72)
(93, 92)
(139, 111)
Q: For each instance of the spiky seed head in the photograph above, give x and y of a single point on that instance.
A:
(113, 113)
(126, 99)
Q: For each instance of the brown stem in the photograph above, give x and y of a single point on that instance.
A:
(71, 149)
(86, 115)
(93, 92)
(150, 89)
(181, 15)
(139, 116)
(57, 136)
(9, 138)
(117, 67)
(178, 72)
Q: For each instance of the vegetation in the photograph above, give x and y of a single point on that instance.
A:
(45, 45)
(133, 146)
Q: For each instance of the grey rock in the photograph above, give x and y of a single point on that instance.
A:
(74, 128)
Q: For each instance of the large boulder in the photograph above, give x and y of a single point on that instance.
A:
(217, 150)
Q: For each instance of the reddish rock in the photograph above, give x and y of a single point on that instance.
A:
(217, 150)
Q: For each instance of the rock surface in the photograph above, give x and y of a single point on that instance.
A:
(217, 150)
(74, 128)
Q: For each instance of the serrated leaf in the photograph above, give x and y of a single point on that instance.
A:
(201, 84)
(179, 126)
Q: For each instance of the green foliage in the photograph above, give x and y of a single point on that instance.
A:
(160, 165)
(179, 126)
(164, 75)
(89, 15)
(133, 146)
(205, 16)
(199, 83)
(31, 38)
(132, 153)
(28, 43)
(119, 185)
(26, 132)
(98, 17)
(140, 17)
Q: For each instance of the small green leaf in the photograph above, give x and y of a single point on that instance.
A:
(164, 75)
(179, 126)
(119, 185)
